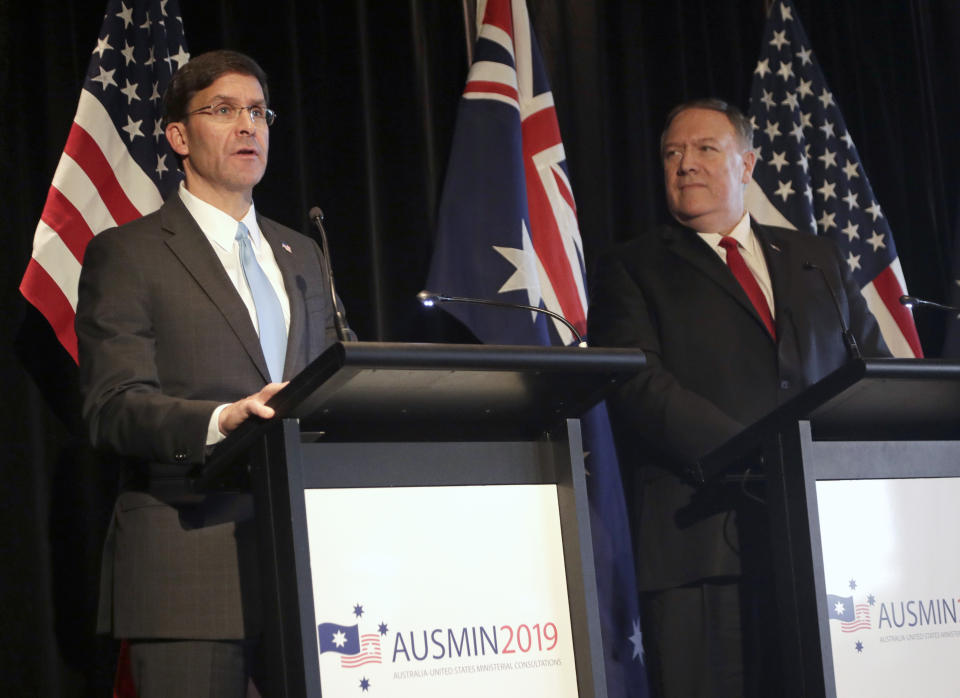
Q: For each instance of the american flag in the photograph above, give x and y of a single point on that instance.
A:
(369, 652)
(507, 230)
(809, 176)
(116, 165)
(861, 621)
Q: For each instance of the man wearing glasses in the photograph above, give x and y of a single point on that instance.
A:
(188, 320)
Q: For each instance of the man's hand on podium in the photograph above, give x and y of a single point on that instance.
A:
(238, 412)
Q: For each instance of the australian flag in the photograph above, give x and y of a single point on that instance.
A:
(840, 608)
(508, 230)
(809, 176)
(342, 639)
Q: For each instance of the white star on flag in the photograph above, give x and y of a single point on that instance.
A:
(103, 44)
(851, 230)
(126, 14)
(636, 639)
(875, 241)
(525, 278)
(133, 127)
(105, 78)
(785, 189)
(127, 52)
(130, 90)
(779, 39)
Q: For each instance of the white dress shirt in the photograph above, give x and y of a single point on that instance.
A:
(221, 230)
(750, 250)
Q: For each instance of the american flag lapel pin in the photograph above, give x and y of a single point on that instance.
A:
(286, 247)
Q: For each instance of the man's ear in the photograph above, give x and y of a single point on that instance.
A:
(176, 133)
(749, 162)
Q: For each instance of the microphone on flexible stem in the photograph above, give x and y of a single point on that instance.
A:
(343, 331)
(848, 339)
(429, 299)
(910, 301)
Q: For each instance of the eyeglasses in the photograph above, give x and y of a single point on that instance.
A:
(226, 113)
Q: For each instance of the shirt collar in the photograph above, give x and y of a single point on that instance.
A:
(219, 227)
(741, 232)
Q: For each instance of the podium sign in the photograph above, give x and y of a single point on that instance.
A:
(889, 589)
(889, 561)
(492, 618)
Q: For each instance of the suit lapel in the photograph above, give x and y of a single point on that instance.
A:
(685, 243)
(688, 245)
(192, 248)
(286, 262)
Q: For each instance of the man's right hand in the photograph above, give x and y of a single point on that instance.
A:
(238, 412)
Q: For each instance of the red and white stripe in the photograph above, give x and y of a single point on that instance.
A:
(97, 185)
(369, 652)
(861, 621)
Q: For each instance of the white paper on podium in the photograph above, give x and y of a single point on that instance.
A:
(891, 548)
(440, 591)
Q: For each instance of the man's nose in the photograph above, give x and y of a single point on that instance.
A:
(688, 161)
(246, 122)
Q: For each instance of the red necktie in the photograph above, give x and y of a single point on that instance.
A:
(748, 282)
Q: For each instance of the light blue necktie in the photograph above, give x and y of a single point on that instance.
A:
(273, 330)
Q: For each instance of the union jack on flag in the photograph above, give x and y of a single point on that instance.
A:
(116, 165)
(507, 230)
(809, 177)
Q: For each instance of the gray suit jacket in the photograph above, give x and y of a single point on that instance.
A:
(712, 370)
(163, 339)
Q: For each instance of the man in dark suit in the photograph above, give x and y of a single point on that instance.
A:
(734, 321)
(188, 321)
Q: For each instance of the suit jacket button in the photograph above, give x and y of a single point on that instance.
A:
(180, 456)
(785, 385)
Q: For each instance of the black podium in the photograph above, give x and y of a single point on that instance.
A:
(375, 415)
(882, 419)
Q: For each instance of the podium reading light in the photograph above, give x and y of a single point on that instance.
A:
(429, 299)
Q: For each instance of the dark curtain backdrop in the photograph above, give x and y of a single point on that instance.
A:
(367, 94)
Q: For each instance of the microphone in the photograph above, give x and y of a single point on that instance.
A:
(910, 301)
(848, 339)
(429, 299)
(344, 333)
